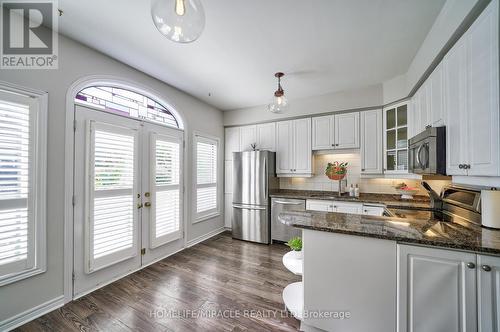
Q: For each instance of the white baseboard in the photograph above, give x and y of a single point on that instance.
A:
(30, 314)
(205, 237)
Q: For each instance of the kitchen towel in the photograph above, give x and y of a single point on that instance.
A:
(490, 208)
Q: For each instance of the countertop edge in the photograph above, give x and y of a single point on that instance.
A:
(402, 240)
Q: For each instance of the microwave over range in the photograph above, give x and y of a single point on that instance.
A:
(427, 152)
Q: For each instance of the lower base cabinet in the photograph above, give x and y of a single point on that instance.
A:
(488, 285)
(436, 290)
(446, 290)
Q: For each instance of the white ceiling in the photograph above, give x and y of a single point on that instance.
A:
(322, 45)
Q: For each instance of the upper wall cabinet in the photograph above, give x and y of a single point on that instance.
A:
(248, 136)
(371, 142)
(427, 105)
(471, 99)
(266, 136)
(293, 148)
(340, 131)
(396, 138)
(241, 138)
(232, 142)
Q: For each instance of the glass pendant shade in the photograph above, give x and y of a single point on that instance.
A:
(181, 21)
(278, 104)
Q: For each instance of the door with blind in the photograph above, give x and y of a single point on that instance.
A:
(128, 206)
(162, 192)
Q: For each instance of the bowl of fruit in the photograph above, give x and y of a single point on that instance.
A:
(336, 171)
(405, 191)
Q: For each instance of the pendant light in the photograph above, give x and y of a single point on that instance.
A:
(279, 103)
(181, 21)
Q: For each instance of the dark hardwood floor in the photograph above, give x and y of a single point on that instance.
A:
(218, 285)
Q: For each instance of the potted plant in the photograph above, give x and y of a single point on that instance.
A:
(336, 171)
(295, 243)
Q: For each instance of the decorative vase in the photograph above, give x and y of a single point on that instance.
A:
(296, 254)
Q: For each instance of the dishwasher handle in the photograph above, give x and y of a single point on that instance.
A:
(288, 203)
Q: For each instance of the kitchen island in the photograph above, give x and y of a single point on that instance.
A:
(394, 274)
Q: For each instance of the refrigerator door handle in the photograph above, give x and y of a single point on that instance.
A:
(248, 207)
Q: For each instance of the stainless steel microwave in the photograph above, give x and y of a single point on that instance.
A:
(427, 152)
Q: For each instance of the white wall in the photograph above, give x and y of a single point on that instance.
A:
(77, 61)
(366, 185)
(448, 21)
(370, 96)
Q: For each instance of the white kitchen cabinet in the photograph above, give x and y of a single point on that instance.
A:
(334, 206)
(436, 290)
(455, 102)
(339, 131)
(371, 149)
(231, 142)
(488, 286)
(436, 97)
(345, 207)
(373, 210)
(471, 99)
(228, 210)
(228, 176)
(293, 148)
(396, 126)
(319, 205)
(248, 137)
(483, 115)
(347, 131)
(266, 136)
(349, 273)
(322, 129)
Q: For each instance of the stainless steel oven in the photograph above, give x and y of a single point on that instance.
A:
(427, 152)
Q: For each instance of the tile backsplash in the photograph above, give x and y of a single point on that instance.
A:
(367, 185)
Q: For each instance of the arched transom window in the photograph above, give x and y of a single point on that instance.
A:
(127, 103)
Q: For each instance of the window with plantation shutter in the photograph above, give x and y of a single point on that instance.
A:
(111, 212)
(22, 185)
(165, 193)
(206, 161)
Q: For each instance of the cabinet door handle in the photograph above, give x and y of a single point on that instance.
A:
(362, 170)
(471, 265)
(461, 166)
(486, 268)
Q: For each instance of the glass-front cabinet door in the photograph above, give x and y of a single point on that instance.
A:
(396, 138)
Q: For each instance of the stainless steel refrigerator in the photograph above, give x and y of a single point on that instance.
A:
(254, 176)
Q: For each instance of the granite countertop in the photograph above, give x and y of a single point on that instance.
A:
(421, 229)
(385, 199)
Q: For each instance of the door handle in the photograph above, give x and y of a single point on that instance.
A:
(287, 203)
(241, 207)
(147, 204)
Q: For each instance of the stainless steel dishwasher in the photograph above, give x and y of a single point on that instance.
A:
(280, 231)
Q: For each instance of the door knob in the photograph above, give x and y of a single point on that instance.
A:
(147, 204)
(471, 265)
(486, 268)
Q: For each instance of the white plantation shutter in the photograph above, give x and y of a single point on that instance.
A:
(22, 226)
(165, 189)
(111, 212)
(206, 176)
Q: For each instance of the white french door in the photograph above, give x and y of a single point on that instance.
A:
(128, 196)
(162, 191)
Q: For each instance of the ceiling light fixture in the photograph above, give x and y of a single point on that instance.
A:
(181, 21)
(279, 103)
